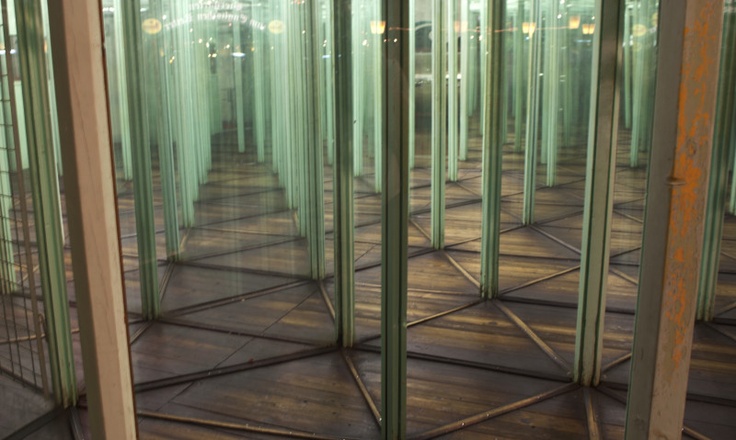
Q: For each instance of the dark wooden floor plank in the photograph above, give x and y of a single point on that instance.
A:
(712, 367)
(430, 272)
(371, 234)
(237, 186)
(260, 349)
(556, 326)
(166, 350)
(57, 429)
(554, 204)
(160, 430)
(366, 254)
(309, 321)
(280, 223)
(317, 394)
(129, 245)
(526, 242)
(132, 288)
(127, 221)
(153, 400)
(727, 262)
(560, 289)
(561, 417)
(297, 313)
(439, 393)
(206, 242)
(191, 285)
(625, 233)
(454, 193)
(480, 334)
(510, 184)
(462, 225)
(714, 421)
(420, 305)
(634, 209)
(514, 271)
(713, 364)
(19, 406)
(611, 415)
(244, 225)
(620, 295)
(288, 259)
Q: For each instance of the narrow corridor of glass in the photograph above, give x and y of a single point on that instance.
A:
(255, 169)
(242, 122)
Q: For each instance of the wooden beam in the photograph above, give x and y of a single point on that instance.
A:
(687, 73)
(90, 193)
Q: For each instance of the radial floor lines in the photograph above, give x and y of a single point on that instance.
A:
(245, 347)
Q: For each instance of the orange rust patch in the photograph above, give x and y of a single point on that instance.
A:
(680, 255)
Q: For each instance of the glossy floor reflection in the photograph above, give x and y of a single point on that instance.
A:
(245, 348)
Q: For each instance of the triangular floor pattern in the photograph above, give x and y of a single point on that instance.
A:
(247, 340)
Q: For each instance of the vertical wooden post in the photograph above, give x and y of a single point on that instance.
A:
(90, 195)
(687, 72)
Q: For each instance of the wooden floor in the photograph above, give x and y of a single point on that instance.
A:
(245, 348)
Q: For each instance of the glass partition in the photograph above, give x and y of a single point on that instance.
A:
(253, 148)
(236, 105)
(261, 151)
(639, 52)
(37, 359)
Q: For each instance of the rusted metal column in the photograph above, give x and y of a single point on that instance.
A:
(687, 70)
